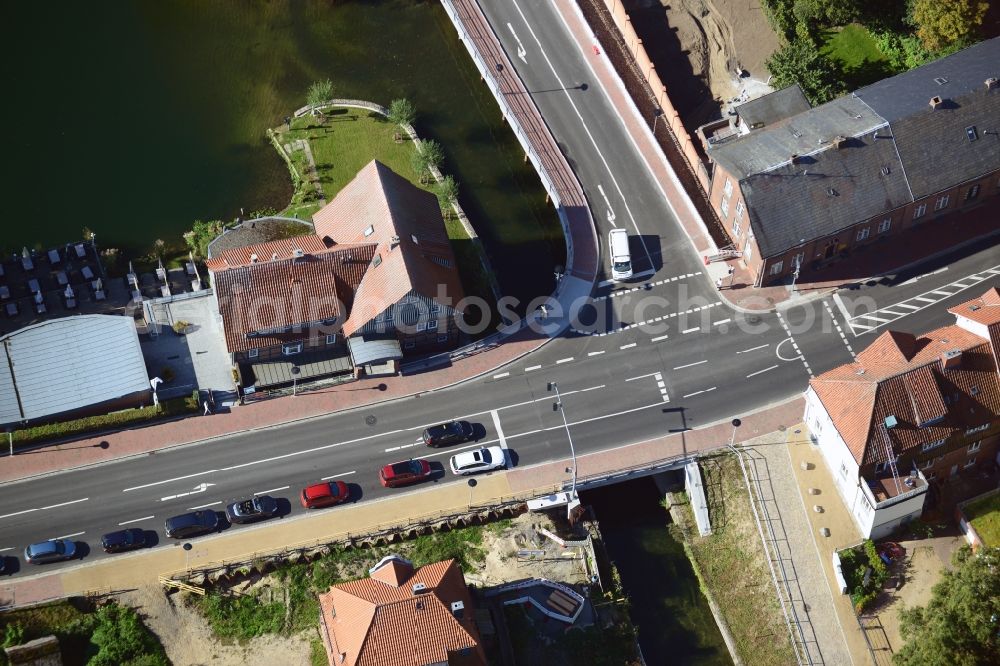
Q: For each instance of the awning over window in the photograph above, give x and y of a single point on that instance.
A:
(365, 352)
(311, 365)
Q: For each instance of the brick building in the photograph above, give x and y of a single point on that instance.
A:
(376, 281)
(800, 187)
(911, 410)
(401, 617)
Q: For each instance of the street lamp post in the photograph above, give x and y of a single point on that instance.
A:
(295, 377)
(656, 117)
(736, 424)
(558, 407)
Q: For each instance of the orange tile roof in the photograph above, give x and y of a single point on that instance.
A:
(372, 622)
(283, 248)
(381, 206)
(983, 310)
(901, 375)
(260, 302)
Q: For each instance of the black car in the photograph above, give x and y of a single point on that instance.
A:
(251, 510)
(445, 434)
(191, 524)
(123, 540)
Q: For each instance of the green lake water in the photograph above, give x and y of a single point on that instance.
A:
(136, 118)
(671, 614)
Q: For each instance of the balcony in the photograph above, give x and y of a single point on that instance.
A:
(883, 488)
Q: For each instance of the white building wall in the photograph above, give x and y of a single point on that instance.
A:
(973, 326)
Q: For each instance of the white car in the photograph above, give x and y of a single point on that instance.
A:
(478, 460)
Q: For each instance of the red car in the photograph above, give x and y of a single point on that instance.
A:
(404, 473)
(323, 494)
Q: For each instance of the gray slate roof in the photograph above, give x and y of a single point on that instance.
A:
(772, 107)
(65, 364)
(787, 207)
(260, 230)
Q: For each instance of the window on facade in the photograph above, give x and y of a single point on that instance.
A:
(881, 467)
(293, 348)
(862, 233)
(972, 431)
(975, 446)
(927, 463)
(798, 259)
(931, 445)
(884, 225)
(421, 326)
(748, 248)
(432, 325)
(777, 267)
(409, 344)
(388, 316)
(724, 207)
(972, 192)
(728, 189)
(736, 226)
(331, 339)
(435, 308)
(941, 202)
(253, 353)
(739, 209)
(919, 211)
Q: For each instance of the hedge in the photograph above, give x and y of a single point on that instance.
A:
(113, 421)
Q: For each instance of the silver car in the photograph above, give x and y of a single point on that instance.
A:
(478, 460)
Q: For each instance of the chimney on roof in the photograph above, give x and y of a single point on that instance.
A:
(419, 588)
(274, 257)
(951, 359)
(890, 422)
(839, 142)
(794, 159)
(393, 242)
(936, 102)
(253, 258)
(298, 253)
(457, 609)
(992, 83)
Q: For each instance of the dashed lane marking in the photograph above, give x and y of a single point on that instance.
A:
(622, 292)
(632, 379)
(754, 348)
(658, 338)
(691, 395)
(784, 325)
(596, 353)
(69, 536)
(337, 476)
(203, 506)
(689, 330)
(760, 372)
(532, 367)
(662, 386)
(135, 520)
(628, 346)
(501, 375)
(690, 365)
(625, 327)
(843, 336)
(564, 360)
(272, 490)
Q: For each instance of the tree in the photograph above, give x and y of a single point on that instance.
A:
(319, 92)
(447, 191)
(941, 24)
(201, 234)
(122, 639)
(427, 156)
(961, 623)
(401, 112)
(800, 62)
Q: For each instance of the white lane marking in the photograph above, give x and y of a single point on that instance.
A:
(871, 316)
(521, 52)
(784, 325)
(721, 322)
(760, 372)
(690, 330)
(135, 520)
(596, 353)
(754, 348)
(532, 367)
(942, 293)
(312, 450)
(919, 277)
(272, 490)
(592, 388)
(68, 536)
(17, 513)
(689, 365)
(907, 306)
(564, 360)
(56, 506)
(200, 488)
(4, 550)
(840, 331)
(628, 346)
(657, 339)
(586, 129)
(453, 450)
(632, 379)
(501, 375)
(924, 299)
(204, 506)
(600, 188)
(691, 395)
(178, 478)
(499, 429)
(337, 476)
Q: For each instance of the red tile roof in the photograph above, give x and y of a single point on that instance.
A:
(284, 249)
(901, 375)
(372, 622)
(259, 302)
(983, 310)
(380, 206)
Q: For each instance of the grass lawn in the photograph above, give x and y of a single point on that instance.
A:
(857, 55)
(984, 515)
(341, 146)
(731, 563)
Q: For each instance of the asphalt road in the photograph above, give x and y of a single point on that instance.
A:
(714, 363)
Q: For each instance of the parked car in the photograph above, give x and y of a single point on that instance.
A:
(478, 460)
(191, 524)
(323, 494)
(454, 432)
(123, 540)
(252, 510)
(55, 550)
(404, 473)
(3, 564)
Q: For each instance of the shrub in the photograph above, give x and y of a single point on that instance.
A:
(242, 617)
(123, 640)
(13, 634)
(319, 92)
(401, 112)
(180, 326)
(201, 234)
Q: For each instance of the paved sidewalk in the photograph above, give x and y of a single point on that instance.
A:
(263, 414)
(835, 517)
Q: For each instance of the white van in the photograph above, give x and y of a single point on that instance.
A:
(621, 260)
